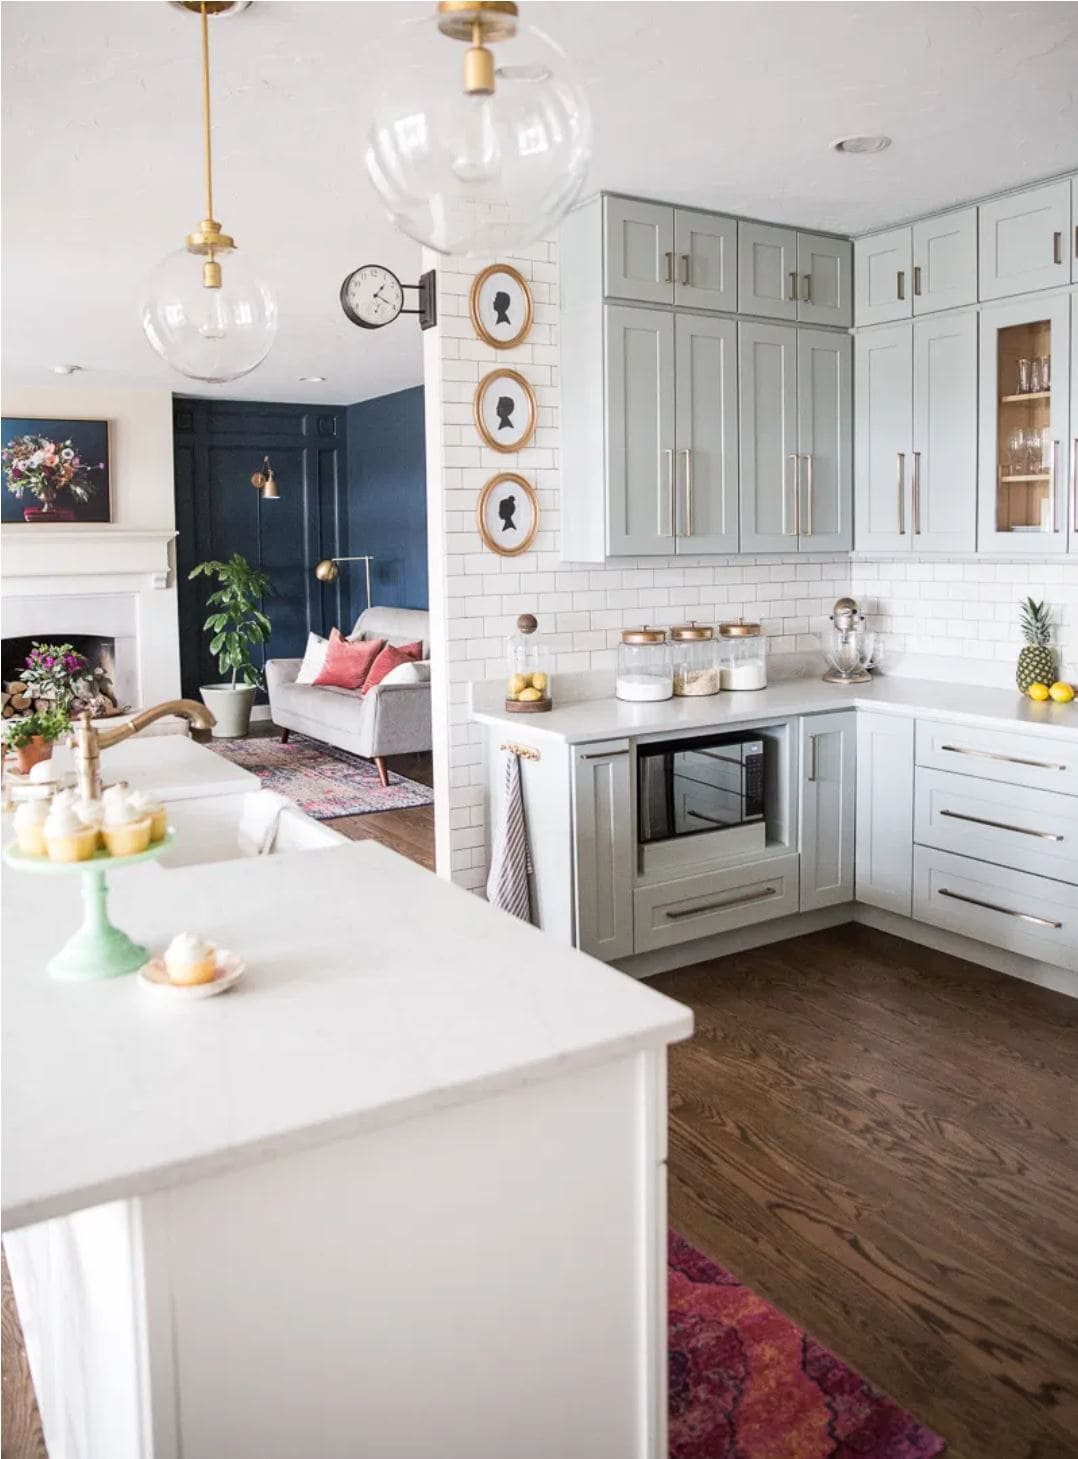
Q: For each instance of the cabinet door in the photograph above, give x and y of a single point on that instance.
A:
(943, 482)
(603, 849)
(1073, 539)
(767, 414)
(767, 271)
(1074, 230)
(1024, 241)
(828, 743)
(882, 282)
(945, 261)
(824, 280)
(639, 431)
(1022, 505)
(706, 272)
(885, 811)
(706, 384)
(824, 441)
(883, 405)
(638, 250)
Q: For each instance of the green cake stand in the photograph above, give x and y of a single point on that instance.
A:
(97, 949)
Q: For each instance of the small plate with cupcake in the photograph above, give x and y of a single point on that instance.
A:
(192, 968)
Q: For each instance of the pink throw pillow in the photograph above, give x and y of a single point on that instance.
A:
(391, 658)
(348, 662)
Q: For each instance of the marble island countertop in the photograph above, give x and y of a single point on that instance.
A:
(172, 766)
(375, 992)
(609, 718)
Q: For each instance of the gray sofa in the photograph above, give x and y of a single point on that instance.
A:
(392, 719)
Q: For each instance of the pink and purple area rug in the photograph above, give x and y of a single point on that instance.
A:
(321, 780)
(747, 1383)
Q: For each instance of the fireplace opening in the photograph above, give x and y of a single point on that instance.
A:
(94, 688)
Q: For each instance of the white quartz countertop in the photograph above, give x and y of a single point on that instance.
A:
(612, 719)
(172, 766)
(375, 992)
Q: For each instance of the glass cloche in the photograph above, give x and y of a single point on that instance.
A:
(528, 681)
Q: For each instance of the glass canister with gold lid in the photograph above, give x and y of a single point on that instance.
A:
(528, 682)
(645, 665)
(696, 664)
(743, 655)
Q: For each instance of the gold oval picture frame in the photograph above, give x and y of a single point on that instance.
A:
(504, 410)
(501, 306)
(508, 514)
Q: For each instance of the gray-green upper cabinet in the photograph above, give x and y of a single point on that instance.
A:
(825, 288)
(638, 250)
(1025, 241)
(794, 393)
(945, 261)
(705, 274)
(883, 437)
(882, 282)
(943, 469)
(640, 478)
(767, 271)
(1073, 453)
(706, 433)
(1074, 229)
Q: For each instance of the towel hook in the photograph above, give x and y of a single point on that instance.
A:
(522, 752)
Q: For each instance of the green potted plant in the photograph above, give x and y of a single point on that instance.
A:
(237, 627)
(32, 736)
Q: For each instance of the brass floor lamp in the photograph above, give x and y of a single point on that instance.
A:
(327, 571)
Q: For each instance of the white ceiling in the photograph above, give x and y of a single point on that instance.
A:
(730, 106)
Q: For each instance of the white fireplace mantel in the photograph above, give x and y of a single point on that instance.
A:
(71, 551)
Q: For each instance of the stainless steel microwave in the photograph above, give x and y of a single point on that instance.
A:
(686, 787)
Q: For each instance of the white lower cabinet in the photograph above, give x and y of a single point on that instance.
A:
(604, 847)
(718, 901)
(884, 843)
(1011, 825)
(828, 760)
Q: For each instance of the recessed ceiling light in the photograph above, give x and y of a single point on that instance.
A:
(65, 369)
(311, 379)
(861, 145)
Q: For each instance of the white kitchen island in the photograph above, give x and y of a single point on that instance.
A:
(401, 1193)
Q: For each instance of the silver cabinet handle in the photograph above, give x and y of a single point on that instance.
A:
(1057, 247)
(812, 758)
(900, 481)
(660, 530)
(687, 453)
(1007, 911)
(685, 269)
(793, 285)
(722, 906)
(669, 276)
(1074, 484)
(916, 493)
(1001, 826)
(793, 495)
(810, 493)
(806, 288)
(1053, 489)
(917, 278)
(604, 754)
(902, 283)
(1007, 759)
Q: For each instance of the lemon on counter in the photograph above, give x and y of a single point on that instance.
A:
(517, 683)
(1061, 693)
(1039, 692)
(539, 681)
(529, 696)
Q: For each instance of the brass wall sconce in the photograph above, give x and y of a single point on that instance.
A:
(327, 570)
(265, 481)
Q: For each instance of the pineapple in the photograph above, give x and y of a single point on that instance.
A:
(1037, 661)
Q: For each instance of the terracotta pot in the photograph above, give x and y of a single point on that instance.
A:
(27, 756)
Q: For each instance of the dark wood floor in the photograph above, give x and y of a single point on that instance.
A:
(883, 1141)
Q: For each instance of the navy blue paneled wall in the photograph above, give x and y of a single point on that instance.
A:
(218, 444)
(387, 498)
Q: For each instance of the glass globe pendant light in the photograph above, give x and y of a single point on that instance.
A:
(489, 161)
(208, 319)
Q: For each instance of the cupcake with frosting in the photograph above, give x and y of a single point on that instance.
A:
(125, 829)
(67, 837)
(30, 820)
(90, 813)
(150, 806)
(190, 959)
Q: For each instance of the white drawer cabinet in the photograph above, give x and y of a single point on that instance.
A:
(1011, 825)
(1008, 756)
(1030, 915)
(885, 812)
(699, 906)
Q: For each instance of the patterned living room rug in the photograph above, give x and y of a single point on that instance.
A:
(321, 780)
(747, 1383)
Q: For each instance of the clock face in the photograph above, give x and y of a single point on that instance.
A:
(372, 296)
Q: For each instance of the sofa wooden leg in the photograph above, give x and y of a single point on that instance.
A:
(284, 737)
(383, 773)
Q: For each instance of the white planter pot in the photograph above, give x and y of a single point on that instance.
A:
(231, 708)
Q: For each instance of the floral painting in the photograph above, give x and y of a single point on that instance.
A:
(55, 471)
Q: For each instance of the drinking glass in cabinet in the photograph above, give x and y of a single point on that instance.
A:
(1023, 377)
(1024, 447)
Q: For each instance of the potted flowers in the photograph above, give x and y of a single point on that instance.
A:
(51, 471)
(237, 625)
(33, 736)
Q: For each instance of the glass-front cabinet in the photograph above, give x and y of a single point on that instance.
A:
(1025, 462)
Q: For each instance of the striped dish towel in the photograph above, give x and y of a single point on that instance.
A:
(511, 864)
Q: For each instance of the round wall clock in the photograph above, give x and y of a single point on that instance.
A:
(372, 296)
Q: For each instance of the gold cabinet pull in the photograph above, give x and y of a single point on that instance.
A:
(793, 495)
(722, 906)
(660, 530)
(917, 278)
(916, 493)
(685, 269)
(1057, 247)
(793, 286)
(1006, 759)
(689, 504)
(900, 475)
(902, 283)
(810, 492)
(1001, 826)
(1007, 911)
(806, 288)
(1074, 484)
(812, 757)
(669, 277)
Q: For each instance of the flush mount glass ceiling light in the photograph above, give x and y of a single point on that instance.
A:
(510, 129)
(206, 313)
